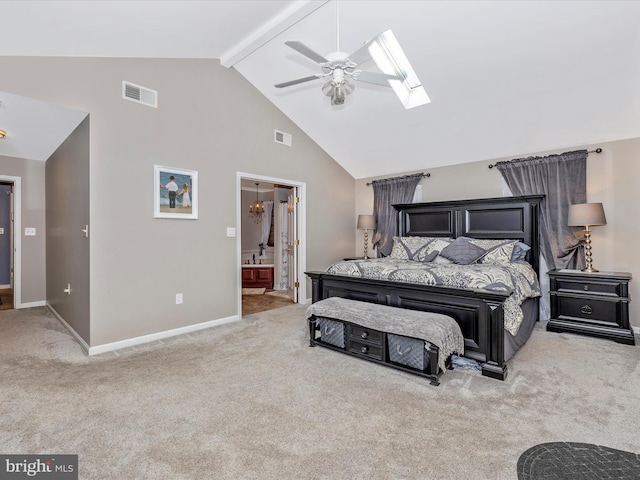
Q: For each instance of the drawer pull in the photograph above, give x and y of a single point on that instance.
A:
(586, 288)
(364, 334)
(587, 310)
(364, 349)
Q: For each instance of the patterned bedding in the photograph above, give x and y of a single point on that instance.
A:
(516, 277)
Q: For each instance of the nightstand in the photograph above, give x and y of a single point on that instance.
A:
(595, 304)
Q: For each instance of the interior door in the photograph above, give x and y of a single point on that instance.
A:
(292, 244)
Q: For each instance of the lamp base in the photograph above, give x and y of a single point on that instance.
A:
(587, 251)
(366, 242)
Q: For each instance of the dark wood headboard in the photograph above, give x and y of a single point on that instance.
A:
(505, 217)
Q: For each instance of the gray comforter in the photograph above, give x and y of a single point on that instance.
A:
(518, 278)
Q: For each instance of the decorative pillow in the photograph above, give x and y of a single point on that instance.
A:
(498, 251)
(431, 257)
(520, 252)
(404, 248)
(436, 245)
(416, 248)
(462, 251)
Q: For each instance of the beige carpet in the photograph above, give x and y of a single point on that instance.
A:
(250, 400)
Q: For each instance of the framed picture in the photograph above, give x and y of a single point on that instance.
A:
(175, 193)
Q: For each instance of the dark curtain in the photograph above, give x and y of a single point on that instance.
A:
(563, 180)
(387, 192)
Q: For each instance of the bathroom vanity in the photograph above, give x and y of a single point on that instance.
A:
(255, 276)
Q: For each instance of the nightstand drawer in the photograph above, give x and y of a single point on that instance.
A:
(589, 310)
(361, 348)
(357, 332)
(591, 287)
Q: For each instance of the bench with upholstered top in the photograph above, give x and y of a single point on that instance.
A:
(414, 341)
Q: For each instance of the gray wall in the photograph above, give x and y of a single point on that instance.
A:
(612, 178)
(32, 174)
(67, 194)
(208, 119)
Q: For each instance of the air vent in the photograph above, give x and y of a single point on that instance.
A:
(139, 94)
(281, 137)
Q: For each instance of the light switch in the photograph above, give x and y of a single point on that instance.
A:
(1, 231)
(30, 232)
(231, 231)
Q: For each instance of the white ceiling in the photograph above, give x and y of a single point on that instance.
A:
(505, 78)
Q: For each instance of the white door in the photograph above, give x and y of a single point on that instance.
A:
(293, 244)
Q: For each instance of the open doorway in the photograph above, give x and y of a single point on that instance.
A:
(9, 241)
(270, 242)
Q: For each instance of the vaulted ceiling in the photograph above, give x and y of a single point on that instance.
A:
(504, 78)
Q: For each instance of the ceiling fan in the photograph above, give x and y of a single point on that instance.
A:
(341, 70)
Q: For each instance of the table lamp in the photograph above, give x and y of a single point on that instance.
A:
(366, 223)
(587, 215)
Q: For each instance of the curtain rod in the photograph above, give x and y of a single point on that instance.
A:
(597, 150)
(424, 175)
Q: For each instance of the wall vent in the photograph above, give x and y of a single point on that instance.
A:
(139, 94)
(282, 137)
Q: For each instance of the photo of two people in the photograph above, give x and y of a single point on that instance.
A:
(175, 193)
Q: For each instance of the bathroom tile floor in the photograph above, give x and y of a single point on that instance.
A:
(260, 303)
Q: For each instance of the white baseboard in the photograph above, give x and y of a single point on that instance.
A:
(130, 342)
(109, 347)
(3, 287)
(79, 339)
(636, 330)
(41, 303)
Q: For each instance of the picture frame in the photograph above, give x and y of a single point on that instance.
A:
(183, 203)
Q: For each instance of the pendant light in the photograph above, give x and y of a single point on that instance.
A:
(256, 209)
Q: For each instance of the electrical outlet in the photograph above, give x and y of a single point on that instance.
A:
(29, 232)
(178, 298)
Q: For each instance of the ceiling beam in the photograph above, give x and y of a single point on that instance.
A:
(267, 32)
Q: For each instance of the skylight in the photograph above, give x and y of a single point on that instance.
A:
(388, 55)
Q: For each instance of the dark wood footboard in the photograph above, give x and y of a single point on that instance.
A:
(479, 313)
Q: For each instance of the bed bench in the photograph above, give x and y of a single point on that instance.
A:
(413, 341)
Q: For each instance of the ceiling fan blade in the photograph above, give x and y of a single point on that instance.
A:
(306, 51)
(361, 55)
(297, 81)
(376, 78)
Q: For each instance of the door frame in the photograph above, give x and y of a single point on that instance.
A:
(17, 256)
(302, 230)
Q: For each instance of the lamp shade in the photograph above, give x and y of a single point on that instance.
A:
(584, 214)
(366, 222)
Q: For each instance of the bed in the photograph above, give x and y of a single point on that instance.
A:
(480, 312)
